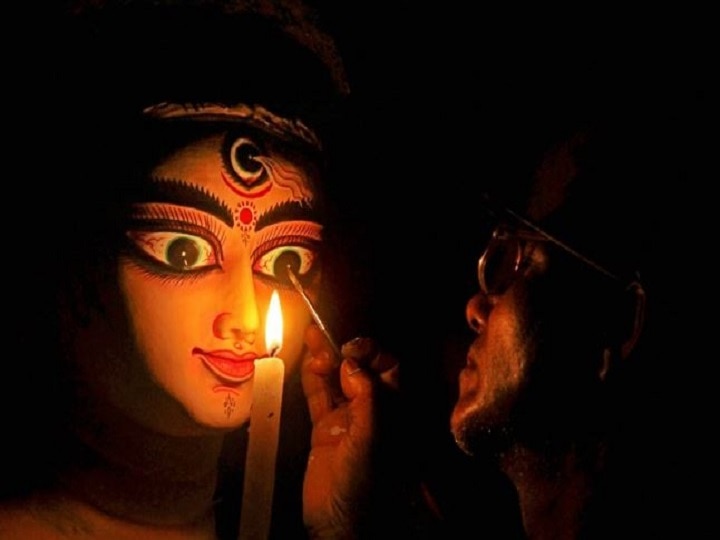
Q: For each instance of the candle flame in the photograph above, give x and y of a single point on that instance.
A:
(274, 325)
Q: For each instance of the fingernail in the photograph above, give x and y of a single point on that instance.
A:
(359, 348)
(351, 367)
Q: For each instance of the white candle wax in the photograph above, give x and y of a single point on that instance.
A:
(263, 432)
(262, 449)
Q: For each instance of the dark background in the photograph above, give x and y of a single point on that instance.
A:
(448, 100)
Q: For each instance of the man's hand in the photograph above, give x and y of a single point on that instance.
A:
(344, 398)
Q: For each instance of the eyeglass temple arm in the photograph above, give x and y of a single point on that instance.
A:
(563, 245)
(493, 208)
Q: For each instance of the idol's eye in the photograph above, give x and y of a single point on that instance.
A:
(274, 262)
(243, 159)
(176, 251)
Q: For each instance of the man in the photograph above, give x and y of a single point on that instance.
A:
(559, 312)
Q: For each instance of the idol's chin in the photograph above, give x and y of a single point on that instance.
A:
(220, 423)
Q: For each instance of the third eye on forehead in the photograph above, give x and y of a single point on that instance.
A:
(247, 152)
(242, 154)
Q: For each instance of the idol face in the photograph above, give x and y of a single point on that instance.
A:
(209, 236)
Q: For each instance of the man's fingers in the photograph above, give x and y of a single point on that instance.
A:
(358, 386)
(319, 375)
(315, 340)
(331, 428)
(381, 364)
(356, 382)
(362, 349)
(387, 368)
(363, 371)
(318, 394)
(390, 377)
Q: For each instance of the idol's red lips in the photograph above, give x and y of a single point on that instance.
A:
(228, 365)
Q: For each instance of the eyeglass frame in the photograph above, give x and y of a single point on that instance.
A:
(537, 234)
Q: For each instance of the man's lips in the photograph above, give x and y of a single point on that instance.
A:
(470, 362)
(228, 365)
(468, 377)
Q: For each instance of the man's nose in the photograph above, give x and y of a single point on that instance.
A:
(476, 312)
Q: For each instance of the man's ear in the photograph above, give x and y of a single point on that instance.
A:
(636, 323)
(628, 328)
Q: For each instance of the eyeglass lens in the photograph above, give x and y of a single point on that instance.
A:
(498, 264)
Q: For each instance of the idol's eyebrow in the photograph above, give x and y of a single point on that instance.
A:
(171, 191)
(287, 211)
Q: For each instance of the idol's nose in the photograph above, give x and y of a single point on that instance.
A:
(239, 319)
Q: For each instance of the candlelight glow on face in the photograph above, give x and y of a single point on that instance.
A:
(274, 325)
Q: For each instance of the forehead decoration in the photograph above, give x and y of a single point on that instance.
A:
(251, 170)
(245, 219)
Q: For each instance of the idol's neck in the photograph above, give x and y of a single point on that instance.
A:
(132, 473)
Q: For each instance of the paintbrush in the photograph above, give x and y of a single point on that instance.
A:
(315, 315)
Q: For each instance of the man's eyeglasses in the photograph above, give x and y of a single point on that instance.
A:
(505, 256)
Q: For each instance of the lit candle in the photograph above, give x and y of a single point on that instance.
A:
(263, 432)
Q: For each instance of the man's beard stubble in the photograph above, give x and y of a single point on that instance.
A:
(489, 429)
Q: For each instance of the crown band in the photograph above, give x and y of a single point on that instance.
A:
(255, 115)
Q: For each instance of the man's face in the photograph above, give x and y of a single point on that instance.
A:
(209, 238)
(533, 370)
(498, 372)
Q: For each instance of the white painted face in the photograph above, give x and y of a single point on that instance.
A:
(217, 221)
